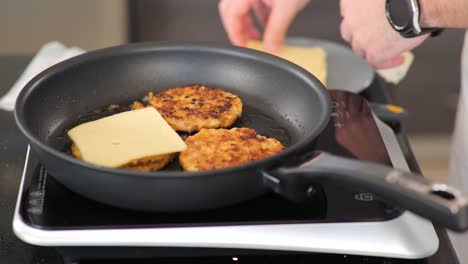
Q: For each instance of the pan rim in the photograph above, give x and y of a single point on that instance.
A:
(211, 48)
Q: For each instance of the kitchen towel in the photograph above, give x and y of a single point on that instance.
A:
(49, 54)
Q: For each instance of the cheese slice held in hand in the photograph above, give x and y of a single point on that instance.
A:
(118, 139)
(312, 59)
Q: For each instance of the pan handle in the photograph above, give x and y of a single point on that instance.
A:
(437, 202)
(389, 113)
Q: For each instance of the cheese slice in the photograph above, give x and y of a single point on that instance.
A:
(313, 59)
(118, 139)
(397, 74)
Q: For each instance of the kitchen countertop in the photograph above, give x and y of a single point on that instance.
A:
(12, 154)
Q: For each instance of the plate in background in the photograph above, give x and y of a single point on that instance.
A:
(346, 71)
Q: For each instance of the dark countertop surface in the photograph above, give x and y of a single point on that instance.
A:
(12, 155)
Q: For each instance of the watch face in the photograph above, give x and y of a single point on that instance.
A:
(400, 12)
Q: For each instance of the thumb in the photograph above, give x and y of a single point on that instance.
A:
(281, 16)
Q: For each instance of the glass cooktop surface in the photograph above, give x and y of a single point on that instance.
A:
(351, 132)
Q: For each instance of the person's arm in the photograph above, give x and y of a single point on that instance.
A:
(444, 13)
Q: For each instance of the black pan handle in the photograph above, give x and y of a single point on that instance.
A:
(437, 202)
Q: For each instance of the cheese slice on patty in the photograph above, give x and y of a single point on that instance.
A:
(118, 139)
(312, 59)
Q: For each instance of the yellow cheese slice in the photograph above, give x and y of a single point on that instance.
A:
(396, 74)
(313, 59)
(118, 139)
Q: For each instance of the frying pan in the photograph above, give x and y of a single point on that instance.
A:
(278, 95)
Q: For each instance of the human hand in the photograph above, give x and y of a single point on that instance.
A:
(366, 28)
(274, 15)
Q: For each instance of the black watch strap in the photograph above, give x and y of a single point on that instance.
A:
(436, 32)
(404, 16)
(409, 33)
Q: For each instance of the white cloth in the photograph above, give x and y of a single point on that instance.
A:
(49, 54)
(458, 175)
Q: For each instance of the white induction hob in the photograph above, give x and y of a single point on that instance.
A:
(343, 222)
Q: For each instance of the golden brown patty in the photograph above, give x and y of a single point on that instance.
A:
(194, 107)
(151, 163)
(137, 105)
(212, 149)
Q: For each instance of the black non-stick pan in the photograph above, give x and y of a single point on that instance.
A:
(278, 96)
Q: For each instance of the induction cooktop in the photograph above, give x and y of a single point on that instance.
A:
(335, 219)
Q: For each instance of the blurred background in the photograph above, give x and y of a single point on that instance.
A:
(429, 92)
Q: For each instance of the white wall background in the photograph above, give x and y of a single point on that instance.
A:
(25, 25)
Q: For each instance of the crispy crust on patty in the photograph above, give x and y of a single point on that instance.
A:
(194, 107)
(212, 149)
(151, 163)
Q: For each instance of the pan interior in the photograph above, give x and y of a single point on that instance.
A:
(252, 117)
(278, 101)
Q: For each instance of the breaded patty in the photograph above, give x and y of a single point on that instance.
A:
(151, 163)
(212, 149)
(194, 107)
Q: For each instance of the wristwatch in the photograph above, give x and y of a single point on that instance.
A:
(404, 15)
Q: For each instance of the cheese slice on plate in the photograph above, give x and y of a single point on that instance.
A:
(118, 139)
(313, 59)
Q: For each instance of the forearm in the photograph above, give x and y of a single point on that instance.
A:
(444, 13)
